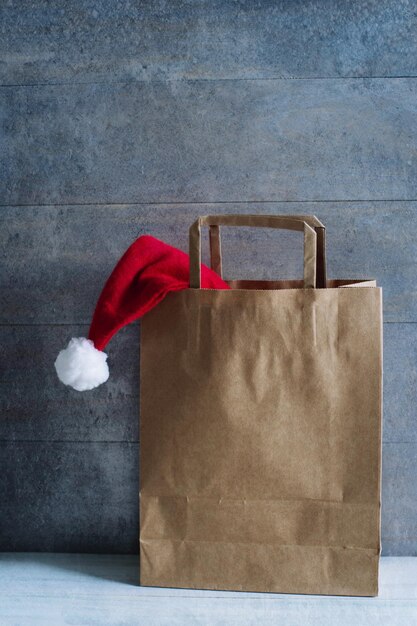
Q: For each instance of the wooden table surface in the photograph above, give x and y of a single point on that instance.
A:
(103, 589)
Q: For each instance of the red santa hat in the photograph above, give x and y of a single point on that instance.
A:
(147, 271)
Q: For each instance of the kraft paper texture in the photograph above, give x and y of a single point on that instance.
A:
(260, 435)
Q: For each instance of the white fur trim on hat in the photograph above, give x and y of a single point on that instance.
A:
(81, 365)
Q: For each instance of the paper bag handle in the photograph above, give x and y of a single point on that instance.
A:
(312, 220)
(257, 221)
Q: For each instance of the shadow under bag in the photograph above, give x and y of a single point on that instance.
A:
(260, 434)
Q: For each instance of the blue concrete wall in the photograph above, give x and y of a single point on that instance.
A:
(123, 118)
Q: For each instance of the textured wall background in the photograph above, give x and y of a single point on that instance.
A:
(122, 118)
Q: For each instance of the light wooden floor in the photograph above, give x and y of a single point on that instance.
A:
(102, 589)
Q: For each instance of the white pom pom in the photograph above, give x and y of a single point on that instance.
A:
(81, 366)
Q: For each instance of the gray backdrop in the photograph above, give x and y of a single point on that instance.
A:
(124, 118)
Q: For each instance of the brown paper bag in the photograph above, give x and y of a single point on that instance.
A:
(261, 429)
